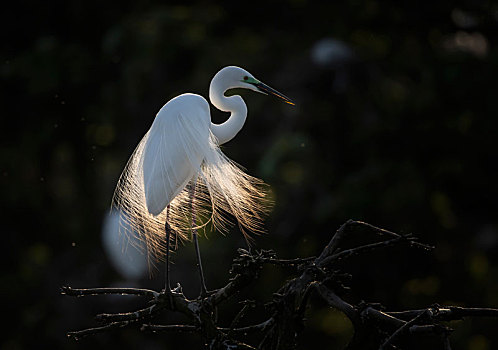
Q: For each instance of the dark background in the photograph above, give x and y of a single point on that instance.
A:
(395, 124)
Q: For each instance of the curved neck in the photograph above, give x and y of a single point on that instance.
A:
(226, 131)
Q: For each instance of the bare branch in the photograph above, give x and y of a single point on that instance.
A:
(289, 262)
(334, 242)
(333, 300)
(285, 312)
(449, 313)
(90, 331)
(366, 248)
(239, 316)
(129, 316)
(426, 314)
(101, 291)
(260, 327)
(156, 328)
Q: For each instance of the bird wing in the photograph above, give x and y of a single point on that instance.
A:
(174, 151)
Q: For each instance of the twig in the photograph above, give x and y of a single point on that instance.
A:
(449, 313)
(168, 328)
(364, 248)
(239, 315)
(100, 291)
(289, 262)
(260, 327)
(89, 331)
(426, 314)
(129, 316)
(376, 229)
(460, 312)
(334, 242)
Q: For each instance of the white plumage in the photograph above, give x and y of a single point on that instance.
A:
(180, 152)
(175, 148)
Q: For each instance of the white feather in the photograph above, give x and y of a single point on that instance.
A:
(178, 152)
(174, 150)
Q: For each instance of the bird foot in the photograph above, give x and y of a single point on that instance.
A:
(170, 293)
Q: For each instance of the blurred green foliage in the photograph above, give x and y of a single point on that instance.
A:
(394, 125)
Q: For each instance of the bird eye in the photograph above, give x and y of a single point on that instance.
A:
(246, 77)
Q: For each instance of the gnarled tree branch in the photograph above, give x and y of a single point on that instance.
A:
(282, 326)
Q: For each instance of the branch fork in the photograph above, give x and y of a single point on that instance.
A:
(374, 327)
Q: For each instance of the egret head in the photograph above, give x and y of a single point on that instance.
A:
(236, 77)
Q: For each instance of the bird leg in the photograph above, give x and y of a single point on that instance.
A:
(167, 287)
(194, 237)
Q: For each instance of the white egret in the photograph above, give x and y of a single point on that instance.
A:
(178, 173)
